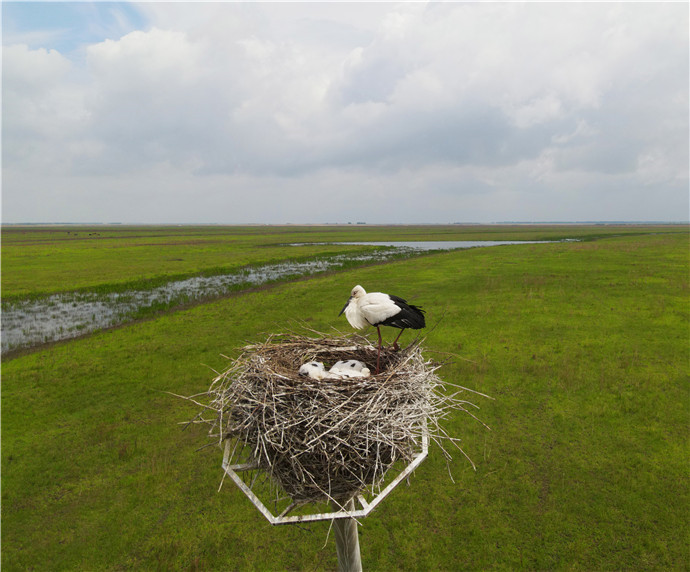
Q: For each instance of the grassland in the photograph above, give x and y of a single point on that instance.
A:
(584, 347)
(44, 260)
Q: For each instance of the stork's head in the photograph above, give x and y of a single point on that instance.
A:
(357, 292)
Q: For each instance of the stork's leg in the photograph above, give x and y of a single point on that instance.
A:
(395, 343)
(378, 355)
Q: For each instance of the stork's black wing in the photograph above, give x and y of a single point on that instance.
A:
(409, 316)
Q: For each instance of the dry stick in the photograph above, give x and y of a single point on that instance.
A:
(192, 400)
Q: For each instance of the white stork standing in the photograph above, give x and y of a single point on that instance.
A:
(379, 309)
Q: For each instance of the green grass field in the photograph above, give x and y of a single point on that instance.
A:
(43, 260)
(582, 345)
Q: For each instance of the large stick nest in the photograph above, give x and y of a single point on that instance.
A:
(330, 438)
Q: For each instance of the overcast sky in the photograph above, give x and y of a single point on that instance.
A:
(337, 112)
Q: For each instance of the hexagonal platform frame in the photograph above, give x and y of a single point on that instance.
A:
(283, 518)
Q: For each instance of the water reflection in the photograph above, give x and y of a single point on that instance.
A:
(437, 244)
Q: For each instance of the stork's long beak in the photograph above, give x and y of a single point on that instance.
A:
(345, 306)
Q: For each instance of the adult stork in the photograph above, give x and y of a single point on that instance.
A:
(379, 309)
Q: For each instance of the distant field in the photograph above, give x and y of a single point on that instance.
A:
(42, 260)
(583, 345)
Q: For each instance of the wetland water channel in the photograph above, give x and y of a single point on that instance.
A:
(62, 316)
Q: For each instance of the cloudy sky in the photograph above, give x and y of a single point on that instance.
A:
(335, 112)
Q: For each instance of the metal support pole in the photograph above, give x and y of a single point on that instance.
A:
(347, 540)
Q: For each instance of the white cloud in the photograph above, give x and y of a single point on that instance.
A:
(154, 57)
(479, 105)
(43, 110)
(32, 71)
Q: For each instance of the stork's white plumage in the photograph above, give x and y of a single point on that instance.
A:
(340, 370)
(378, 309)
(350, 368)
(313, 369)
